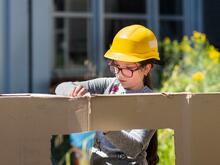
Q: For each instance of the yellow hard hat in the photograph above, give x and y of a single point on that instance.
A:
(134, 43)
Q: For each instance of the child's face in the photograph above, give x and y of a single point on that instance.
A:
(130, 74)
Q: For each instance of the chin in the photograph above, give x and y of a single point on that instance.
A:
(125, 86)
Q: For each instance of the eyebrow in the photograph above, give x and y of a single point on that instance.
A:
(132, 66)
(128, 65)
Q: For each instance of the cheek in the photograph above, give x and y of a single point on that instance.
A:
(137, 77)
(141, 74)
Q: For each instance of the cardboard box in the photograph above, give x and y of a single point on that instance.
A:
(28, 121)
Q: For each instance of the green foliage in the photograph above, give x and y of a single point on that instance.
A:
(166, 147)
(191, 65)
(59, 147)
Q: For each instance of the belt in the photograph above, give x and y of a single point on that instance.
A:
(113, 155)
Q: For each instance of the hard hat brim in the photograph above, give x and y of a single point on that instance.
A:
(128, 57)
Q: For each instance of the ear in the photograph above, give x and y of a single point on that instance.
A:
(147, 69)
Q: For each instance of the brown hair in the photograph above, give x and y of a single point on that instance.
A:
(152, 156)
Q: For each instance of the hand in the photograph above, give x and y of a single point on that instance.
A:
(78, 91)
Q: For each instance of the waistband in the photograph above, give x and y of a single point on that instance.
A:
(118, 155)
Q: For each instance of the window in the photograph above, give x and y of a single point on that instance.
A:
(171, 18)
(72, 36)
(84, 29)
(121, 13)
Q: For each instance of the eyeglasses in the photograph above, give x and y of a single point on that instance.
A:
(125, 71)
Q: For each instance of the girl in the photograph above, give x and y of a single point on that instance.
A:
(133, 52)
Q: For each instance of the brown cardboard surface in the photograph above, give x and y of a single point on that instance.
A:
(145, 111)
(28, 121)
(205, 129)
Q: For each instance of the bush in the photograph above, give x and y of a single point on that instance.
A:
(166, 150)
(191, 65)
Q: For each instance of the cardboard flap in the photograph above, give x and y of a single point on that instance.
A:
(27, 123)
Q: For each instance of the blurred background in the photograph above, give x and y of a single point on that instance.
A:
(45, 42)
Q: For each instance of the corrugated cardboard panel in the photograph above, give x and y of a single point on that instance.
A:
(27, 123)
(144, 111)
(137, 111)
(205, 129)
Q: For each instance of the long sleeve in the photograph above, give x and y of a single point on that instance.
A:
(131, 142)
(95, 86)
(64, 88)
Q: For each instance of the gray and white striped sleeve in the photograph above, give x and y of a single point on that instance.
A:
(94, 86)
(131, 142)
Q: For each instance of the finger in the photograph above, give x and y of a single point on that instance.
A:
(72, 92)
(82, 92)
(76, 91)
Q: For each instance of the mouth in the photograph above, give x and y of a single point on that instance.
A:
(122, 81)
